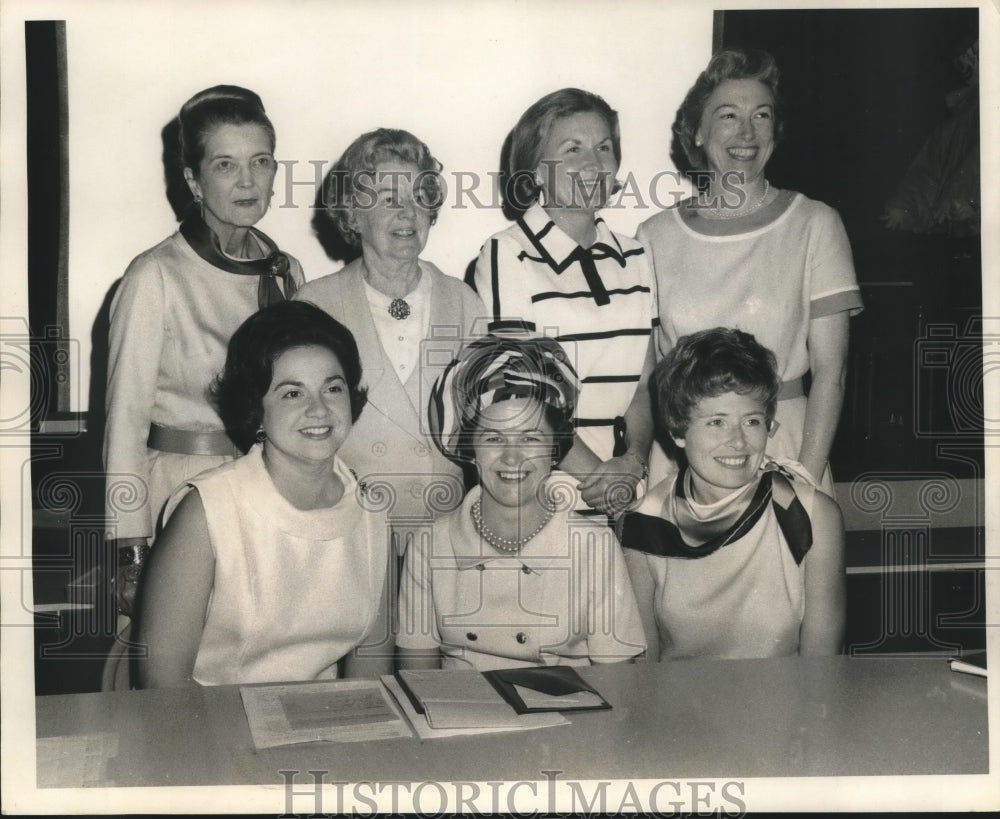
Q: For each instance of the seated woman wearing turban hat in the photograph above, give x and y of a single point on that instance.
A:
(514, 577)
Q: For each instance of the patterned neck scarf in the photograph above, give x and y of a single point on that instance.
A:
(689, 530)
(275, 266)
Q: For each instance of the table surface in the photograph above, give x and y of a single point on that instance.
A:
(789, 717)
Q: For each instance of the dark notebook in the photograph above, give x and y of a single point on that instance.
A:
(545, 688)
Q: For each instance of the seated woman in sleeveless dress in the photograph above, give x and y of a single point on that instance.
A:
(737, 554)
(270, 568)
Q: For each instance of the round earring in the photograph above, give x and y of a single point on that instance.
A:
(260, 435)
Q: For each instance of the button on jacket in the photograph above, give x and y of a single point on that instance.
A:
(389, 447)
(565, 599)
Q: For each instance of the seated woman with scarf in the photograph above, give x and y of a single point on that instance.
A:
(737, 555)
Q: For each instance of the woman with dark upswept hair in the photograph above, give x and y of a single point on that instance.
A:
(173, 314)
(271, 567)
(742, 253)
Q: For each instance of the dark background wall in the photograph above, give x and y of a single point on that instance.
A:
(862, 90)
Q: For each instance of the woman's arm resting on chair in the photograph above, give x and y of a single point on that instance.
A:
(177, 585)
(630, 468)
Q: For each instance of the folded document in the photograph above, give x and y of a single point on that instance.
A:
(331, 711)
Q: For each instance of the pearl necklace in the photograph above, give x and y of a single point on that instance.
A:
(718, 213)
(504, 544)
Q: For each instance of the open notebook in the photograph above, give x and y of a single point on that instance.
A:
(457, 699)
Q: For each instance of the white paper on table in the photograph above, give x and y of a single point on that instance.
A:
(332, 711)
(524, 722)
(577, 699)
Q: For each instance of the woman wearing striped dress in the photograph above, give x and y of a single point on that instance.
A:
(559, 271)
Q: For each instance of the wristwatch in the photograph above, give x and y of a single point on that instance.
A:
(642, 462)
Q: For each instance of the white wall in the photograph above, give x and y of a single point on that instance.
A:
(456, 74)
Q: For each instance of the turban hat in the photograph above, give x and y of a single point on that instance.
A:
(498, 368)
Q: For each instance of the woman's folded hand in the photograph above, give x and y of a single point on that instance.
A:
(612, 487)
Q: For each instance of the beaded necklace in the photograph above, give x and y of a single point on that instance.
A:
(504, 544)
(719, 213)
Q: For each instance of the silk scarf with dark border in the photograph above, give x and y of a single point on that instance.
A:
(680, 533)
(274, 266)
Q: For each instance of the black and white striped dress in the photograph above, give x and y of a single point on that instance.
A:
(597, 302)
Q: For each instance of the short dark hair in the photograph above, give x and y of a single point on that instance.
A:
(728, 64)
(522, 151)
(337, 192)
(239, 389)
(208, 109)
(710, 363)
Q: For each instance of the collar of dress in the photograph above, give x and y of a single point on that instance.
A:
(557, 249)
(345, 519)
